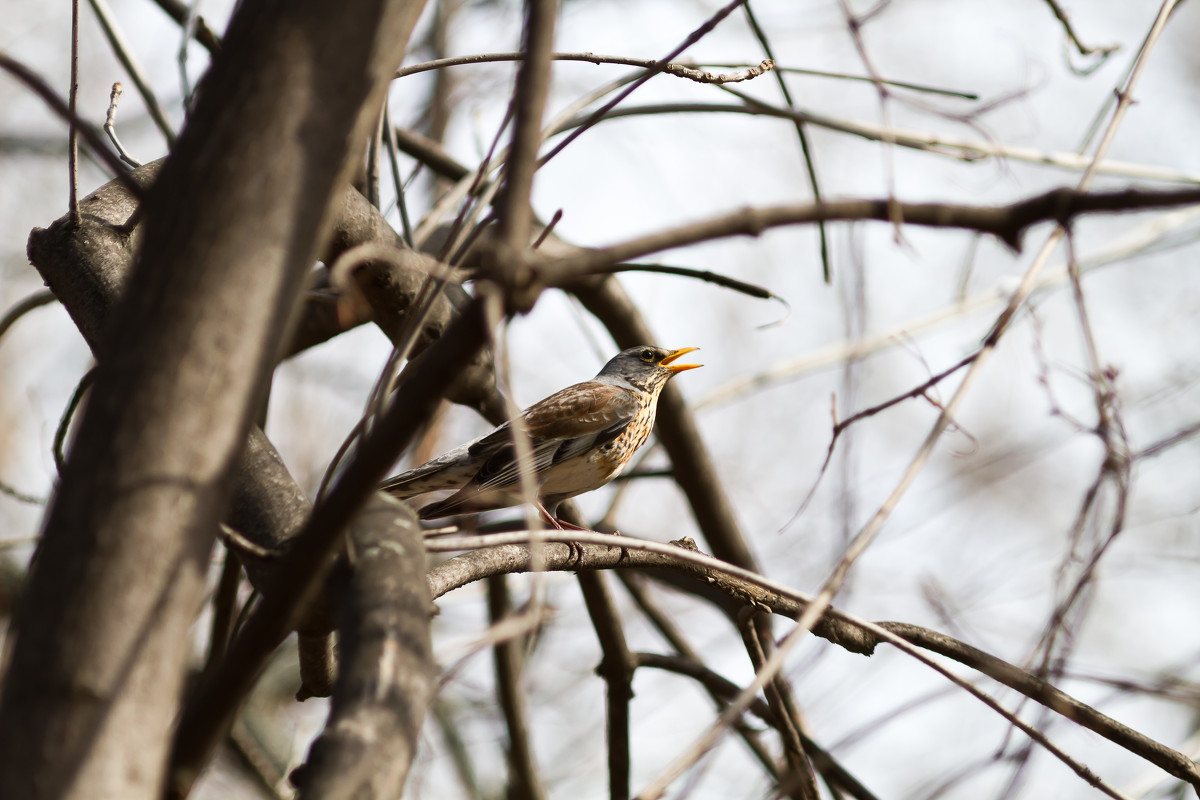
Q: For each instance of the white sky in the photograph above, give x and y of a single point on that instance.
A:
(986, 526)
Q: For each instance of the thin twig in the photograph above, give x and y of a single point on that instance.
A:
(389, 138)
(800, 781)
(840, 426)
(750, 289)
(801, 135)
(1167, 442)
(937, 143)
(125, 55)
(650, 72)
(64, 424)
(224, 606)
(63, 109)
(679, 70)
(845, 76)
(72, 129)
(855, 24)
(1103, 51)
(23, 307)
(20, 497)
(110, 126)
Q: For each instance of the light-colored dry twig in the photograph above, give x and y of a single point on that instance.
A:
(110, 126)
(937, 143)
(124, 53)
(64, 110)
(678, 69)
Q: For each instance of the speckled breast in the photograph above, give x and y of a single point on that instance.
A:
(616, 453)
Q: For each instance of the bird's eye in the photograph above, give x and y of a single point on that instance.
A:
(647, 354)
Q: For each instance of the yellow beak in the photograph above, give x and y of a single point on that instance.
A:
(666, 362)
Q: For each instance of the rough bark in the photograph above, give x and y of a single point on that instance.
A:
(387, 671)
(234, 222)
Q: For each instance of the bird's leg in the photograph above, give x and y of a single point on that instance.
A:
(563, 525)
(574, 548)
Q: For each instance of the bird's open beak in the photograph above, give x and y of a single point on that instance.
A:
(666, 362)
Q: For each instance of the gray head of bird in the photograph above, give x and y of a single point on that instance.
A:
(645, 368)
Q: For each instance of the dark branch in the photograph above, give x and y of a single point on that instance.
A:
(1007, 223)
(387, 674)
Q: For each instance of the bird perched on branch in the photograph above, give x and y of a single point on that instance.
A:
(580, 438)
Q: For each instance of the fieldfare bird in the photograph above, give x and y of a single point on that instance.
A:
(580, 437)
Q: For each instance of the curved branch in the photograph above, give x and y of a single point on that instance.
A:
(837, 627)
(1007, 223)
(23, 307)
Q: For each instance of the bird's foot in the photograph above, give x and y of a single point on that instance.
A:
(574, 549)
(624, 557)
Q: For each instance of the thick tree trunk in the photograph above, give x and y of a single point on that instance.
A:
(234, 223)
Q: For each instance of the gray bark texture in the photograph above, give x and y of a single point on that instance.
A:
(234, 221)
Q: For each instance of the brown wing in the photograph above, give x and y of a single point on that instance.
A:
(585, 408)
(579, 410)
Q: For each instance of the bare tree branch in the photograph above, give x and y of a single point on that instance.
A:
(387, 673)
(616, 669)
(151, 473)
(799, 782)
(1007, 223)
(837, 627)
(679, 70)
(524, 779)
(299, 577)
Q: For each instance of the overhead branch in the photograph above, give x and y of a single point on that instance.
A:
(1007, 223)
